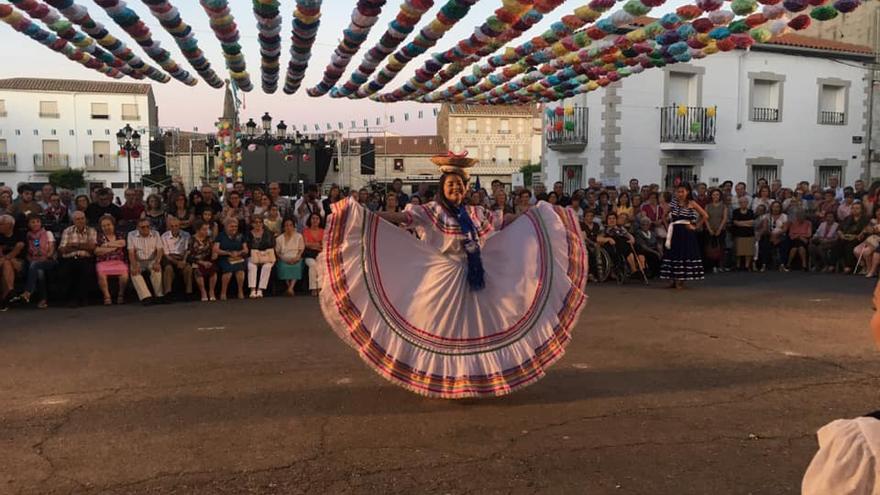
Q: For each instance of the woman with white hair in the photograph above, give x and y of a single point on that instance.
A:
(231, 250)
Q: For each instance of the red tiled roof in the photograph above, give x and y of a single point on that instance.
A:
(801, 41)
(73, 86)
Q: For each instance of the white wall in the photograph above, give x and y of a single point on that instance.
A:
(22, 114)
(798, 139)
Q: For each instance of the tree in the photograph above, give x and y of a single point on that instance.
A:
(69, 178)
(527, 171)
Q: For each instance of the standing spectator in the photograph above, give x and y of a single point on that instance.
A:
(851, 233)
(238, 186)
(273, 221)
(397, 187)
(207, 217)
(12, 254)
(195, 202)
(201, 255)
(500, 202)
(334, 196)
(603, 205)
(40, 259)
(828, 204)
(181, 211)
(261, 246)
(230, 250)
(309, 204)
(681, 261)
(78, 263)
(145, 256)
(282, 203)
(234, 210)
(67, 200)
(524, 199)
(130, 211)
(313, 235)
(739, 191)
(624, 207)
(81, 203)
(575, 207)
(800, 231)
(634, 186)
(55, 216)
(155, 213)
(834, 185)
(762, 199)
(391, 203)
(775, 241)
(25, 205)
(259, 206)
(845, 207)
(867, 250)
(48, 190)
(110, 255)
(702, 194)
(5, 202)
(103, 205)
(743, 231)
(776, 190)
(363, 196)
(562, 199)
(824, 243)
(715, 233)
(651, 210)
(175, 259)
(209, 201)
(289, 247)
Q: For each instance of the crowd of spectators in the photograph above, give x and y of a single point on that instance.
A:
(178, 245)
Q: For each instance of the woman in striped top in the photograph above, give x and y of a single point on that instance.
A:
(682, 260)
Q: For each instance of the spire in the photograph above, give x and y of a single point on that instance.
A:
(229, 113)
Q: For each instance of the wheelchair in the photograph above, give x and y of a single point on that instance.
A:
(600, 263)
(619, 267)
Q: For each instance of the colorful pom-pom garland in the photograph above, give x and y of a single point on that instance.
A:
(306, 19)
(226, 31)
(269, 29)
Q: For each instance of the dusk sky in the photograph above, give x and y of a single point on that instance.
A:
(187, 107)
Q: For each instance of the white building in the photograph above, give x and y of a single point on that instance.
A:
(51, 124)
(794, 109)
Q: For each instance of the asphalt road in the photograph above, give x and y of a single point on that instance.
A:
(716, 389)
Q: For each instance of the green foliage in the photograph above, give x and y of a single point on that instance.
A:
(69, 178)
(528, 170)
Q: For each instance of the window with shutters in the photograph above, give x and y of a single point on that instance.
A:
(100, 111)
(49, 110)
(130, 111)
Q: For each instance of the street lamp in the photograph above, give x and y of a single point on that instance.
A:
(129, 141)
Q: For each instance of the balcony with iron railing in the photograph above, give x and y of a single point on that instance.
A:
(47, 162)
(101, 162)
(7, 162)
(568, 132)
(686, 128)
(832, 118)
(760, 114)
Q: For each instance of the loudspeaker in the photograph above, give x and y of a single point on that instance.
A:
(368, 157)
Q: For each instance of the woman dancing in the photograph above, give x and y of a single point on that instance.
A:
(477, 305)
(681, 260)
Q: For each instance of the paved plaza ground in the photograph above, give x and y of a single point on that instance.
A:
(718, 389)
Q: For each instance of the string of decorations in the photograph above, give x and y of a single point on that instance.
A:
(306, 19)
(65, 30)
(581, 17)
(228, 162)
(535, 15)
(448, 16)
(131, 23)
(79, 15)
(410, 13)
(269, 28)
(508, 14)
(223, 24)
(363, 18)
(169, 18)
(23, 25)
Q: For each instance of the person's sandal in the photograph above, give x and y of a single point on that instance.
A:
(120, 300)
(42, 304)
(108, 301)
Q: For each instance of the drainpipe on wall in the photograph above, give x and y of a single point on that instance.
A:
(739, 84)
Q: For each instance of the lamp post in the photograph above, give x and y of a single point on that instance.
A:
(129, 141)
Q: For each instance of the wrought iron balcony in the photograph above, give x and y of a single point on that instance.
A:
(101, 162)
(760, 114)
(7, 162)
(47, 162)
(568, 133)
(692, 128)
(832, 118)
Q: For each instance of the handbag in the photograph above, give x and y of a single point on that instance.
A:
(262, 257)
(713, 251)
(310, 253)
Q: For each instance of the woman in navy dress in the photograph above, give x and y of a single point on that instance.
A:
(682, 260)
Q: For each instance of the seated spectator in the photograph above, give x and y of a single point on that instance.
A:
(800, 231)
(313, 236)
(81, 203)
(155, 213)
(175, 259)
(195, 200)
(575, 207)
(524, 200)
(845, 208)
(828, 204)
(261, 259)
(273, 221)
(867, 251)
(743, 231)
(289, 247)
(592, 232)
(145, 256)
(130, 211)
(201, 255)
(209, 201)
(620, 244)
(624, 207)
(234, 210)
(40, 260)
(111, 256)
(824, 243)
(5, 203)
(25, 206)
(207, 218)
(12, 255)
(763, 198)
(851, 233)
(230, 250)
(649, 246)
(102, 206)
(77, 265)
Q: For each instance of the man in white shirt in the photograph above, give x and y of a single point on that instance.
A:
(307, 205)
(145, 255)
(834, 185)
(175, 248)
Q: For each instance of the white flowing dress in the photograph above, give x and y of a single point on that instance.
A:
(404, 304)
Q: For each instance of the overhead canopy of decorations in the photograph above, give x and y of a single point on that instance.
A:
(596, 44)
